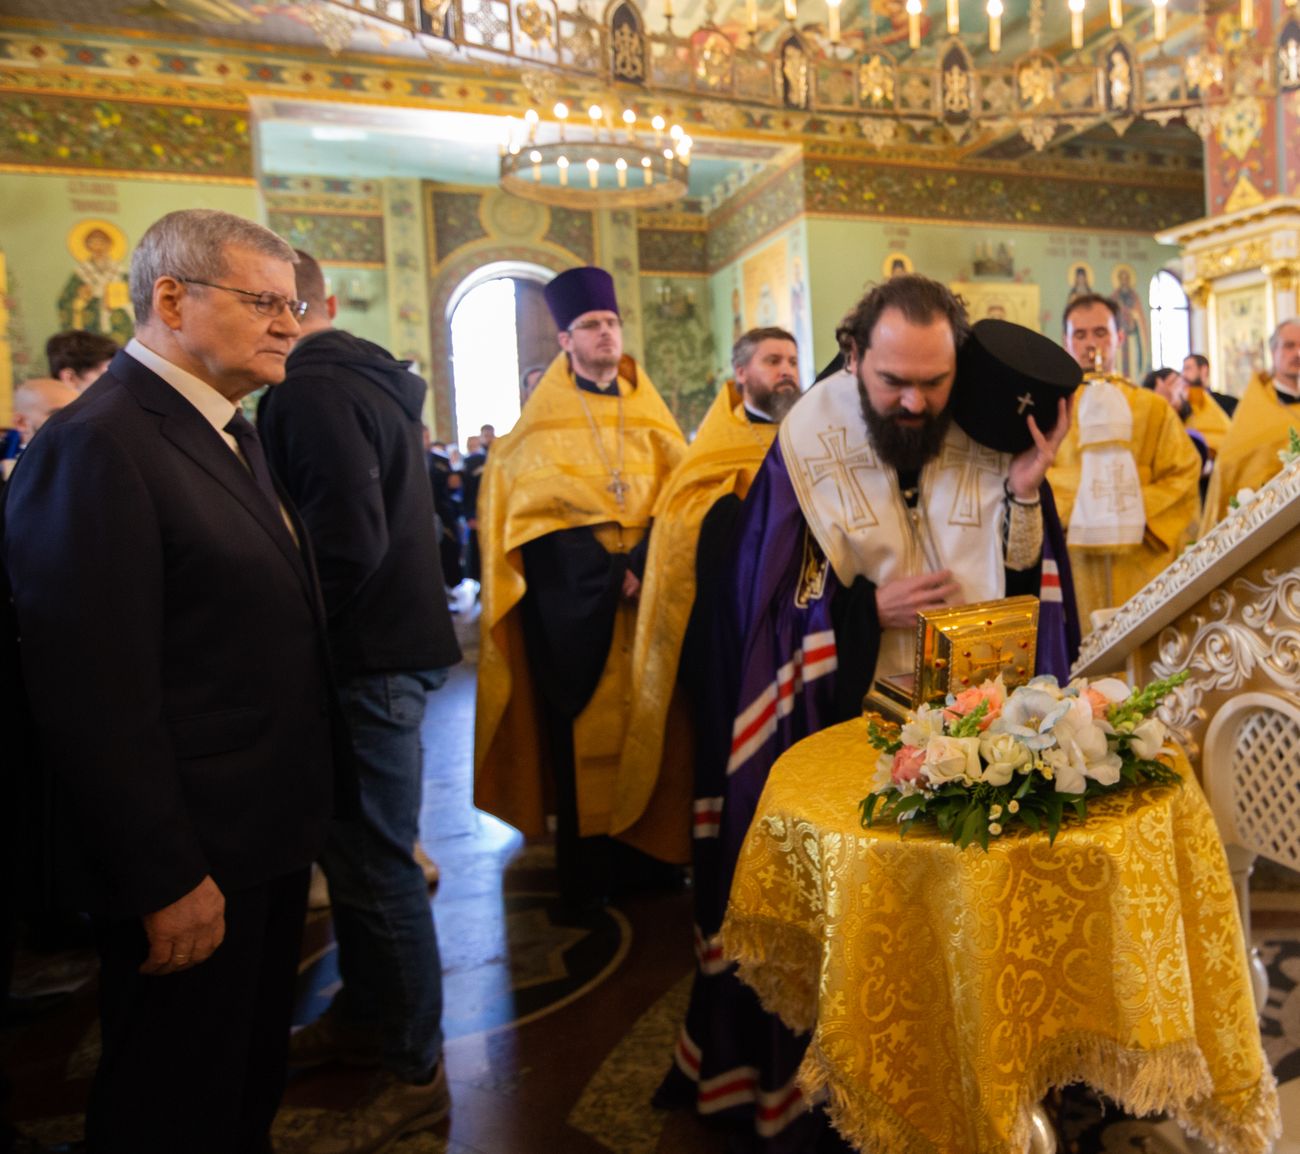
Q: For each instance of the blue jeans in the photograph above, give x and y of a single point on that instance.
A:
(388, 947)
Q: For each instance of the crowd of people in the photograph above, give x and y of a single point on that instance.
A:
(221, 635)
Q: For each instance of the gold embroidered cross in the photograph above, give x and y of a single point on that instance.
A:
(972, 459)
(841, 467)
(1113, 489)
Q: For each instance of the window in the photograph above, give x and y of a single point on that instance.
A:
(1171, 322)
(485, 358)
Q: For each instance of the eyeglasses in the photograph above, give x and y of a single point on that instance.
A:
(596, 323)
(269, 304)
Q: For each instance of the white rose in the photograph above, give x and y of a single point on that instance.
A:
(1003, 755)
(1148, 739)
(1083, 742)
(1068, 774)
(951, 759)
(925, 724)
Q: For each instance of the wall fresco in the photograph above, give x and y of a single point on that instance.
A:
(60, 132)
(679, 344)
(456, 221)
(673, 250)
(756, 213)
(862, 189)
(574, 230)
(332, 238)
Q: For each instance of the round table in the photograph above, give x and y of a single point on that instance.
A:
(947, 990)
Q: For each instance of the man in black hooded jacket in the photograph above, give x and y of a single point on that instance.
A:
(344, 436)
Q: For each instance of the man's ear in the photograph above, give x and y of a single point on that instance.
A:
(168, 292)
(69, 377)
(332, 306)
(565, 340)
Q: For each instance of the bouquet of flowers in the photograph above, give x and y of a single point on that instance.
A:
(986, 759)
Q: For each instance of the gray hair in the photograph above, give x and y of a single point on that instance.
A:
(191, 245)
(742, 352)
(1276, 338)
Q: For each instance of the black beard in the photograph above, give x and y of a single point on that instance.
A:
(1185, 411)
(896, 445)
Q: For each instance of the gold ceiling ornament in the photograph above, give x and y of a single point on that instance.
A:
(1149, 61)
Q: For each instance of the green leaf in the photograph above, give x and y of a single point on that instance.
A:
(971, 822)
(1030, 818)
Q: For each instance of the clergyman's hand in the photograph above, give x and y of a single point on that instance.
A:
(186, 932)
(899, 601)
(631, 586)
(1030, 467)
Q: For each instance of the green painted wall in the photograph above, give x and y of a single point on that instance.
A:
(846, 256)
(39, 213)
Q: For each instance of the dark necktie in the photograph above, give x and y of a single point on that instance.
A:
(250, 444)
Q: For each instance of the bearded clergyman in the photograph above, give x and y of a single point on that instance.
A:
(896, 485)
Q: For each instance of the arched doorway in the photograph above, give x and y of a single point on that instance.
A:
(498, 326)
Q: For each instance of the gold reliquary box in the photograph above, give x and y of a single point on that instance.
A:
(959, 647)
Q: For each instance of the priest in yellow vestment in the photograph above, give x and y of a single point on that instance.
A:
(1261, 427)
(564, 511)
(733, 438)
(1126, 476)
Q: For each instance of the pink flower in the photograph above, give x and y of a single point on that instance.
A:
(1098, 700)
(994, 692)
(907, 764)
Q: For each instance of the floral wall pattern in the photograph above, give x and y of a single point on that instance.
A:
(66, 132)
(456, 221)
(844, 187)
(679, 344)
(573, 229)
(336, 238)
(756, 213)
(674, 249)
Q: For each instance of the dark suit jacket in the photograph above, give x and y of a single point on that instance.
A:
(172, 649)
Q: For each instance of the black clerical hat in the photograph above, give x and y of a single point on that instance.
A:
(1005, 374)
(587, 289)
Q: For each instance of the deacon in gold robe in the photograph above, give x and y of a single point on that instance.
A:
(706, 489)
(1202, 414)
(1133, 507)
(564, 511)
(1261, 427)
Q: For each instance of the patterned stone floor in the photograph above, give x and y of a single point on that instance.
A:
(556, 1035)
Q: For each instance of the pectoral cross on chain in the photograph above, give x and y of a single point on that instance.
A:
(1026, 402)
(1112, 488)
(841, 467)
(618, 487)
(972, 460)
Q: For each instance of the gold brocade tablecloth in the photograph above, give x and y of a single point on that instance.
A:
(948, 990)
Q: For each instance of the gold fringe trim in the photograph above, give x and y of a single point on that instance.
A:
(782, 964)
(1173, 1080)
(779, 963)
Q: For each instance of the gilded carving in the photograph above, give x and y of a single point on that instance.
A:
(1280, 497)
(1230, 258)
(535, 23)
(1037, 83)
(876, 82)
(629, 53)
(956, 90)
(1252, 631)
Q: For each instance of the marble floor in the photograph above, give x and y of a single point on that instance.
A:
(556, 1035)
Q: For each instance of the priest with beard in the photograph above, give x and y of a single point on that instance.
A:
(896, 485)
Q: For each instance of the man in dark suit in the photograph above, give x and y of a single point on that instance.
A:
(173, 659)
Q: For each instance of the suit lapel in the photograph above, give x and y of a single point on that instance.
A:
(185, 427)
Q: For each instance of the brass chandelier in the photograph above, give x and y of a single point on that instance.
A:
(596, 165)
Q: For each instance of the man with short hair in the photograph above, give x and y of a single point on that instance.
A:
(1196, 372)
(153, 564)
(873, 503)
(35, 402)
(528, 381)
(1262, 426)
(487, 434)
(564, 512)
(344, 437)
(1126, 476)
(79, 358)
